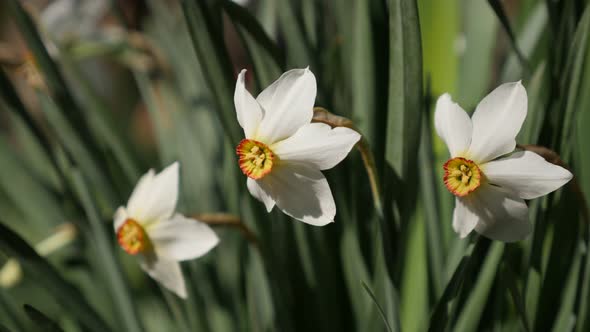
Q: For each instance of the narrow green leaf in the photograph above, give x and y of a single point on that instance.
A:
(45, 275)
(43, 322)
(430, 198)
(476, 301)
(9, 95)
(566, 317)
(259, 295)
(511, 280)
(123, 304)
(575, 66)
(242, 17)
(499, 10)
(215, 62)
(266, 57)
(354, 269)
(480, 31)
(414, 284)
(52, 76)
(537, 95)
(405, 95)
(83, 157)
(363, 71)
(440, 315)
(381, 312)
(299, 50)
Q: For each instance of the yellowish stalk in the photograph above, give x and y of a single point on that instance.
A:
(228, 220)
(324, 116)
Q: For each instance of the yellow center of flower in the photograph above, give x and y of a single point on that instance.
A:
(133, 238)
(462, 176)
(255, 158)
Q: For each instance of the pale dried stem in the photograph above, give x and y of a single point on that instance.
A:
(227, 220)
(554, 158)
(323, 116)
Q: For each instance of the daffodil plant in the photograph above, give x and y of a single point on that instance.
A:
(149, 229)
(283, 153)
(490, 180)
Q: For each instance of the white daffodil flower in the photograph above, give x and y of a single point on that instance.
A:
(489, 181)
(283, 152)
(150, 229)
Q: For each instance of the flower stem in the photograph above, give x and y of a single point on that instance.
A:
(324, 116)
(230, 220)
(554, 158)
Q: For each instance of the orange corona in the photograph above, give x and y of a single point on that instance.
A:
(255, 158)
(132, 237)
(462, 176)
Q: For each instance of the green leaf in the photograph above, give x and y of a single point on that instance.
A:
(37, 268)
(267, 58)
(243, 18)
(566, 317)
(43, 322)
(440, 315)
(299, 50)
(405, 96)
(430, 199)
(123, 304)
(354, 269)
(537, 97)
(260, 303)
(9, 95)
(511, 280)
(575, 66)
(77, 151)
(215, 63)
(414, 286)
(480, 31)
(499, 10)
(470, 316)
(381, 312)
(52, 76)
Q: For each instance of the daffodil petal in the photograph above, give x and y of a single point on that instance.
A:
(155, 196)
(180, 238)
(464, 217)
(288, 105)
(247, 108)
(453, 125)
(165, 272)
(527, 174)
(303, 193)
(496, 122)
(119, 218)
(317, 144)
(503, 216)
(261, 191)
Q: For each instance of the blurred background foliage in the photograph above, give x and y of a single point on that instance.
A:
(94, 93)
